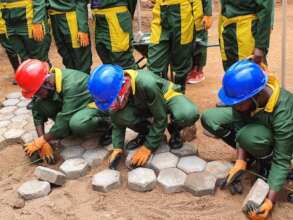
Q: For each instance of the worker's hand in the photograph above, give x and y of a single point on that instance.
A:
(207, 22)
(47, 154)
(140, 156)
(115, 153)
(258, 212)
(233, 179)
(83, 39)
(34, 146)
(38, 32)
(258, 55)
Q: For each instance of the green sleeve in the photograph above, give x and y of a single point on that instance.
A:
(283, 149)
(131, 6)
(207, 7)
(82, 15)
(157, 107)
(39, 11)
(264, 15)
(118, 136)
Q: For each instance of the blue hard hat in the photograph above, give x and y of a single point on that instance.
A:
(242, 80)
(104, 84)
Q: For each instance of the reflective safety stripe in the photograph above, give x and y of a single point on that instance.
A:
(156, 28)
(171, 2)
(133, 75)
(171, 93)
(58, 78)
(198, 14)
(119, 38)
(18, 4)
(92, 105)
(73, 28)
(2, 25)
(187, 24)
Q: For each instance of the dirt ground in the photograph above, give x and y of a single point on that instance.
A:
(76, 200)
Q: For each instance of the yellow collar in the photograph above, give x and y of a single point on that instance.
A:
(58, 78)
(133, 75)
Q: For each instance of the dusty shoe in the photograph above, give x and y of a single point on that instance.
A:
(136, 142)
(175, 141)
(188, 133)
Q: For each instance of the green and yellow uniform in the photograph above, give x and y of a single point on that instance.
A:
(68, 18)
(113, 31)
(151, 97)
(201, 8)
(244, 26)
(69, 106)
(6, 44)
(266, 131)
(171, 39)
(19, 16)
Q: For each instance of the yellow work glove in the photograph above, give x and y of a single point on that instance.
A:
(34, 146)
(83, 39)
(207, 22)
(38, 32)
(46, 153)
(256, 212)
(141, 156)
(115, 153)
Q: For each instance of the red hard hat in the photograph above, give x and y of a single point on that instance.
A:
(30, 75)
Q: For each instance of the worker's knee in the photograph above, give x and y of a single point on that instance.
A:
(211, 121)
(187, 116)
(79, 124)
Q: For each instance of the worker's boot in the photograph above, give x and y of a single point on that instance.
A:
(263, 165)
(106, 138)
(143, 129)
(175, 141)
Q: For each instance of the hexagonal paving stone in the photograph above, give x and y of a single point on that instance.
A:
(17, 125)
(20, 118)
(23, 103)
(7, 110)
(71, 141)
(34, 189)
(191, 164)
(90, 143)
(94, 157)
(187, 149)
(29, 136)
(163, 148)
(6, 117)
(200, 184)
(4, 124)
(14, 95)
(106, 180)
(219, 169)
(10, 102)
(13, 134)
(72, 152)
(163, 161)
(74, 168)
(129, 135)
(22, 111)
(141, 179)
(52, 176)
(172, 180)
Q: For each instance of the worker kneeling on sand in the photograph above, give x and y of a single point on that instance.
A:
(259, 124)
(135, 96)
(62, 95)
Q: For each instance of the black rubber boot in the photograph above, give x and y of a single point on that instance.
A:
(106, 138)
(175, 141)
(14, 61)
(142, 129)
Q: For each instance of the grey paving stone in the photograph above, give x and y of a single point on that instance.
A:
(191, 164)
(8, 110)
(10, 102)
(17, 125)
(71, 141)
(22, 111)
(187, 149)
(23, 103)
(74, 168)
(172, 180)
(4, 124)
(6, 117)
(94, 157)
(34, 189)
(13, 134)
(30, 126)
(72, 152)
(200, 184)
(219, 169)
(14, 95)
(20, 118)
(28, 137)
(163, 161)
(106, 180)
(257, 193)
(129, 135)
(141, 179)
(50, 175)
(90, 143)
(163, 148)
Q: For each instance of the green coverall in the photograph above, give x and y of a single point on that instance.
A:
(6, 44)
(19, 15)
(201, 8)
(268, 131)
(67, 19)
(113, 31)
(68, 106)
(152, 97)
(244, 26)
(171, 39)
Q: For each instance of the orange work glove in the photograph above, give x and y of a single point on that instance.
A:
(34, 146)
(256, 212)
(46, 153)
(141, 156)
(207, 22)
(83, 39)
(38, 33)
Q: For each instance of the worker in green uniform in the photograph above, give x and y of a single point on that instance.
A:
(133, 97)
(171, 39)
(6, 44)
(113, 31)
(62, 95)
(244, 29)
(70, 29)
(27, 28)
(202, 13)
(259, 124)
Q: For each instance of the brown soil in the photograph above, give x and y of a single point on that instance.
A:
(76, 200)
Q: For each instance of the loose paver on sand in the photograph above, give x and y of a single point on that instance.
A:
(106, 180)
(141, 179)
(219, 168)
(94, 157)
(191, 164)
(172, 180)
(187, 149)
(34, 189)
(72, 152)
(74, 168)
(162, 161)
(52, 176)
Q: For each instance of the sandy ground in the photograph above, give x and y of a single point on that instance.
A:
(76, 200)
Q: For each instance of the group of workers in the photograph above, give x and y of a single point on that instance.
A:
(256, 115)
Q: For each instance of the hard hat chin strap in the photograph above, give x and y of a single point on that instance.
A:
(255, 102)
